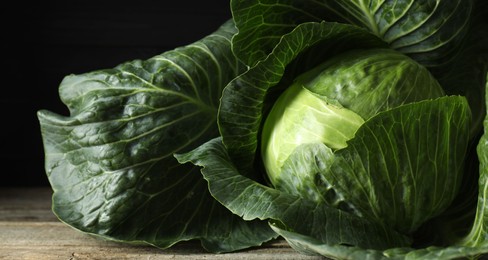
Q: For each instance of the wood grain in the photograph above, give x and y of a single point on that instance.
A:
(29, 230)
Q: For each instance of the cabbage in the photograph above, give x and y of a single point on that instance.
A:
(352, 129)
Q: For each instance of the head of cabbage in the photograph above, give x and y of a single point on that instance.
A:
(326, 106)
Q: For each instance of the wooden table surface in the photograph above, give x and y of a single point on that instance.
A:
(29, 230)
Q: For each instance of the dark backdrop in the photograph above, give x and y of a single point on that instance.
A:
(43, 42)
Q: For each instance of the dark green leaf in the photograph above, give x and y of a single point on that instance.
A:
(430, 31)
(111, 164)
(404, 166)
(251, 201)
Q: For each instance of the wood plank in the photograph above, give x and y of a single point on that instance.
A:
(53, 240)
(29, 230)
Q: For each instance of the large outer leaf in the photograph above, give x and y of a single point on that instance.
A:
(111, 164)
(404, 166)
(428, 30)
(252, 200)
(244, 100)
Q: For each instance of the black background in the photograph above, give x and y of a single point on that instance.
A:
(46, 41)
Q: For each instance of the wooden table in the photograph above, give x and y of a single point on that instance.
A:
(29, 230)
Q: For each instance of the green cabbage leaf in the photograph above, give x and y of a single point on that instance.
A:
(111, 165)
